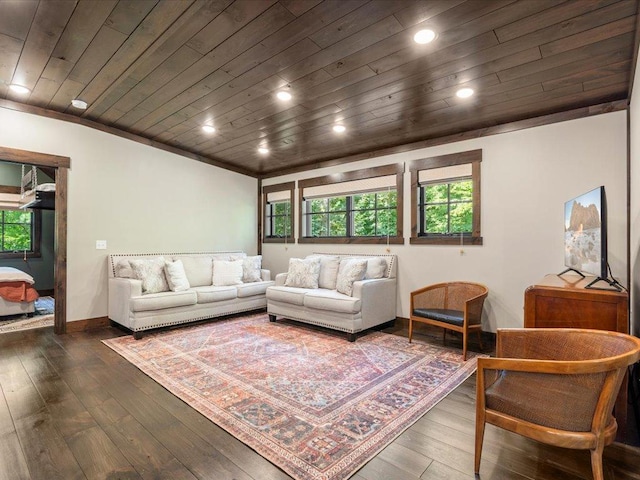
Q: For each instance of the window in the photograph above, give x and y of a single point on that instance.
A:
(446, 198)
(278, 216)
(20, 233)
(355, 207)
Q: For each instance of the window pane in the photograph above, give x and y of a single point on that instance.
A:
(318, 205)
(364, 223)
(387, 199)
(461, 217)
(318, 225)
(435, 193)
(435, 219)
(337, 204)
(281, 226)
(387, 222)
(281, 208)
(17, 216)
(17, 237)
(461, 190)
(364, 201)
(337, 224)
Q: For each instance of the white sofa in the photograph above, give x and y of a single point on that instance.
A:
(372, 301)
(133, 308)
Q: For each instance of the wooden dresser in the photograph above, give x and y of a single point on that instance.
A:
(563, 302)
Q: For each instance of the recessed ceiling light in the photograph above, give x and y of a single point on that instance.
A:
(81, 104)
(19, 88)
(284, 95)
(424, 36)
(208, 128)
(464, 92)
(263, 150)
(339, 128)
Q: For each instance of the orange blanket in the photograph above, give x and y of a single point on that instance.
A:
(18, 292)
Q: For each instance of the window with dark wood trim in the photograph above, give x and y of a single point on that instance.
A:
(445, 199)
(20, 233)
(277, 208)
(363, 206)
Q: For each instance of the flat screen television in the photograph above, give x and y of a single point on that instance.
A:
(585, 234)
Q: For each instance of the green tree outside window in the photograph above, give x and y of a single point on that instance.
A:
(447, 207)
(16, 230)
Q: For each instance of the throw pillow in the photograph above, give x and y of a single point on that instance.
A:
(199, 269)
(329, 265)
(151, 272)
(350, 271)
(123, 269)
(251, 269)
(376, 268)
(176, 276)
(303, 273)
(227, 272)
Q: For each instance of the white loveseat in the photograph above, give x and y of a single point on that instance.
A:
(198, 299)
(370, 302)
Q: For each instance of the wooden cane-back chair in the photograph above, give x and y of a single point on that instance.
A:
(557, 386)
(452, 306)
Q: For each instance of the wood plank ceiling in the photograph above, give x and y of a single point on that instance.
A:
(163, 68)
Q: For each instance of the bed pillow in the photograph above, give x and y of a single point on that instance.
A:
(351, 271)
(151, 272)
(11, 274)
(176, 276)
(227, 272)
(251, 267)
(303, 273)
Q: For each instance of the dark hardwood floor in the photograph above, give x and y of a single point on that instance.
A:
(71, 408)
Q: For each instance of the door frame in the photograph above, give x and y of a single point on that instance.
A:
(61, 165)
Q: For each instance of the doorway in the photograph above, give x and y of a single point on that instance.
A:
(61, 166)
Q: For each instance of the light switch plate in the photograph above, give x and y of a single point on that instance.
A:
(101, 244)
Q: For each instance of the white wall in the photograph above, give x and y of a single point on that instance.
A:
(137, 198)
(526, 178)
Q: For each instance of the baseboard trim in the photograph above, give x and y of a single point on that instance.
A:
(87, 324)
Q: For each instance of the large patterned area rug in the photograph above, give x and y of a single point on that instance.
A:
(310, 402)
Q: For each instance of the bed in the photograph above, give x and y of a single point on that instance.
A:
(17, 295)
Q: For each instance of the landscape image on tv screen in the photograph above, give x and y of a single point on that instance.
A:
(583, 233)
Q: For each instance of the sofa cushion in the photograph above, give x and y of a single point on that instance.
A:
(351, 270)
(160, 301)
(227, 272)
(291, 295)
(303, 273)
(253, 288)
(329, 265)
(199, 269)
(151, 272)
(251, 267)
(176, 276)
(333, 301)
(215, 294)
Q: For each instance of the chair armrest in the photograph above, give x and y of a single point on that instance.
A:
(378, 298)
(121, 290)
(265, 275)
(473, 309)
(280, 279)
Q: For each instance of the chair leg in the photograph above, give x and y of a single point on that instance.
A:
(464, 346)
(410, 329)
(596, 463)
(480, 424)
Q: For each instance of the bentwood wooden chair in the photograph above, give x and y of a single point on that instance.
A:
(452, 305)
(556, 386)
